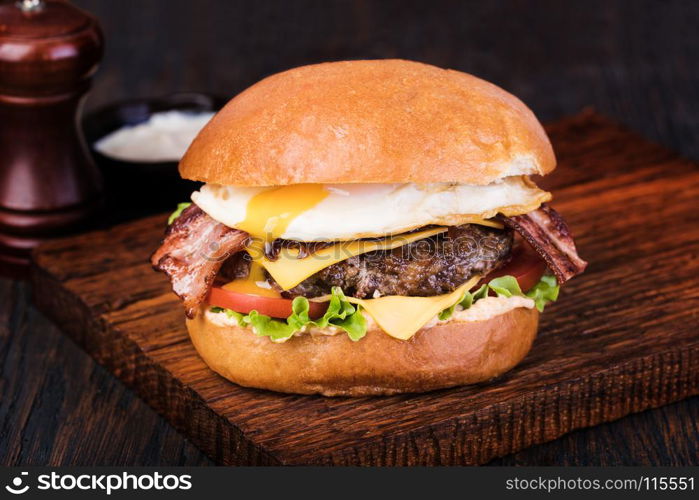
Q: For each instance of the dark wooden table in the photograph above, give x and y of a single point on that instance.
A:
(635, 61)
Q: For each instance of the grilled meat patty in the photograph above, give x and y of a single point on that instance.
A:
(432, 266)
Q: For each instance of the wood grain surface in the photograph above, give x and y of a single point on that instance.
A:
(58, 407)
(622, 338)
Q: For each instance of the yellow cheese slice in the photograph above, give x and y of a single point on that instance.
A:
(401, 317)
(483, 222)
(288, 271)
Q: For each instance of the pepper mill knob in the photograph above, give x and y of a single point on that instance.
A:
(49, 184)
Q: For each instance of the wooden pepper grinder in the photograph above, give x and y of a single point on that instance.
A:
(49, 184)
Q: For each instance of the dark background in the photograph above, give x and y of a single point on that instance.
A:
(637, 61)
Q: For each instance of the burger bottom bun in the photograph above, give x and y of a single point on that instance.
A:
(446, 355)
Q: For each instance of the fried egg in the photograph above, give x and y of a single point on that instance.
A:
(342, 212)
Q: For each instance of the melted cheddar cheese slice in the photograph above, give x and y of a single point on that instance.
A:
(401, 317)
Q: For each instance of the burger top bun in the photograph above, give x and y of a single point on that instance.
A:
(379, 121)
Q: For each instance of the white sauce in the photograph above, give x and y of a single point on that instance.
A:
(164, 137)
(484, 309)
(481, 310)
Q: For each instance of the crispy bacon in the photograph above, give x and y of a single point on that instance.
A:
(548, 234)
(194, 249)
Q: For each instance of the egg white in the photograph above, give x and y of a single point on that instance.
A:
(352, 211)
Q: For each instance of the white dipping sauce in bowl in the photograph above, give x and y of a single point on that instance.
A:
(164, 137)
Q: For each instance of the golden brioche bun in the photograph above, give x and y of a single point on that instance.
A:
(446, 355)
(380, 121)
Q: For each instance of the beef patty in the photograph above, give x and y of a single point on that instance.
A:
(431, 266)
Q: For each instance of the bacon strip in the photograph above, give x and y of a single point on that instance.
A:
(194, 249)
(548, 234)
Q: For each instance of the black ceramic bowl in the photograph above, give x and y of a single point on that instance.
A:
(140, 188)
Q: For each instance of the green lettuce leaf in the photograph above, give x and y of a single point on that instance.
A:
(466, 301)
(340, 314)
(506, 286)
(178, 211)
(544, 292)
(481, 293)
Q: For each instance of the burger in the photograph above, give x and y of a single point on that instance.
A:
(367, 228)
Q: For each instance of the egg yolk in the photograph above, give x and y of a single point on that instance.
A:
(254, 284)
(269, 213)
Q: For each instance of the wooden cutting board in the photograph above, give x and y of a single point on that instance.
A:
(623, 337)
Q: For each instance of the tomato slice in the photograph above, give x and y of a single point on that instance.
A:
(525, 265)
(274, 307)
